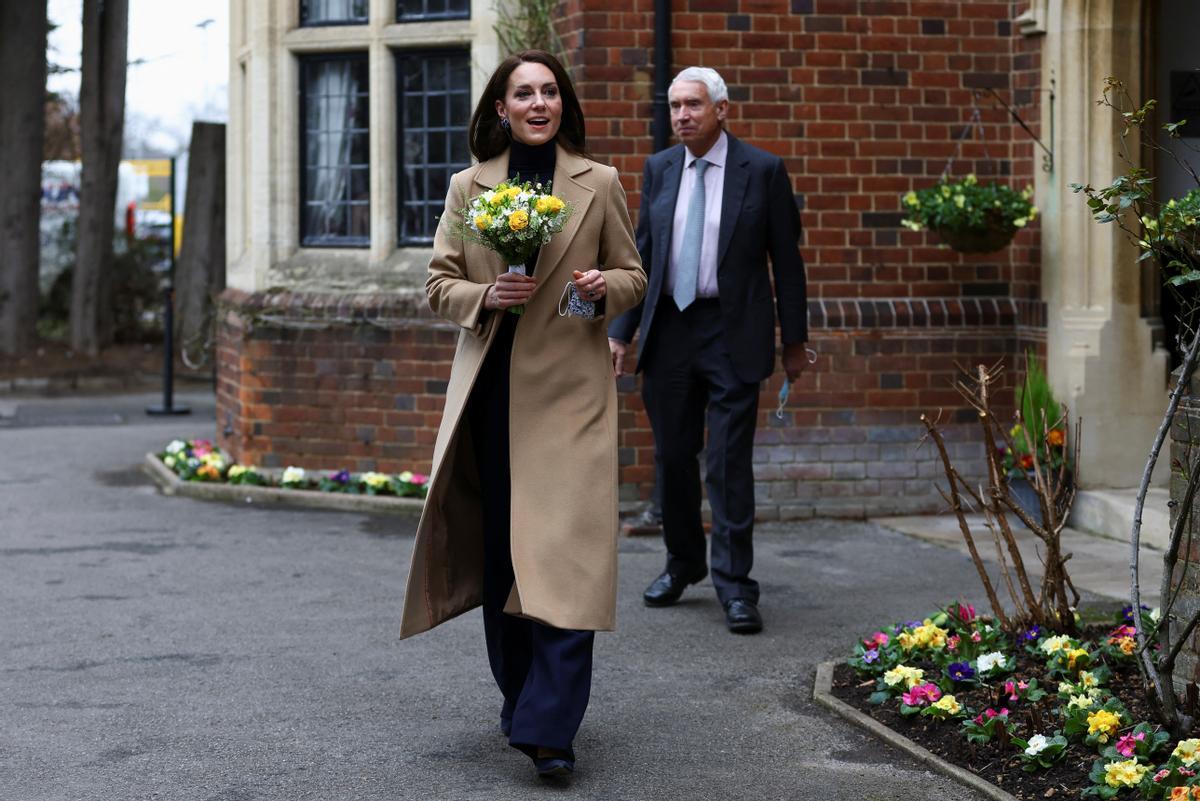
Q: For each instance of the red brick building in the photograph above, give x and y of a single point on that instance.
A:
(329, 357)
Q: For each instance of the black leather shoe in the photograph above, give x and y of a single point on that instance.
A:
(742, 616)
(666, 589)
(550, 763)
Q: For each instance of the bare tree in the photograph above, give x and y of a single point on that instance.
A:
(23, 28)
(102, 112)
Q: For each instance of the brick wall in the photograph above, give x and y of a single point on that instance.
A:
(864, 100)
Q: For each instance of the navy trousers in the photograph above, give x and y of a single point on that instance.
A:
(544, 673)
(689, 381)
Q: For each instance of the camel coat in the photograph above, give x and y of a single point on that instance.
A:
(562, 415)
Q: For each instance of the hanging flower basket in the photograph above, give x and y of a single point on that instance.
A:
(968, 216)
(976, 240)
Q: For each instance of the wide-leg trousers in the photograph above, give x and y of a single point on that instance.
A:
(544, 673)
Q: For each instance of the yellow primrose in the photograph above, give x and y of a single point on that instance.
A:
(1124, 774)
(518, 220)
(1020, 222)
(912, 225)
(1081, 702)
(1103, 723)
(1188, 751)
(960, 200)
(902, 673)
(930, 636)
(971, 179)
(1033, 212)
(375, 480)
(483, 221)
(1073, 655)
(948, 704)
(1088, 679)
(911, 199)
(945, 191)
(1061, 642)
(236, 471)
(906, 640)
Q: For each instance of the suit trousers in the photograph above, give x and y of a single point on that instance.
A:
(544, 673)
(689, 379)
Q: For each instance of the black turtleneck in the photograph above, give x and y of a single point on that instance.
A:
(531, 162)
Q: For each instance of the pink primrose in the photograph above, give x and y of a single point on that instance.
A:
(1126, 745)
(976, 636)
(1186, 772)
(1162, 774)
(952, 642)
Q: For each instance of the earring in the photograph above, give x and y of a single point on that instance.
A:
(505, 124)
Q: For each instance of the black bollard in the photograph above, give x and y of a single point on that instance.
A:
(168, 406)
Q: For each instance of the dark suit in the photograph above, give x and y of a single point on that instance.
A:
(707, 361)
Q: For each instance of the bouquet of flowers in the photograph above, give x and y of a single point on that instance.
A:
(514, 220)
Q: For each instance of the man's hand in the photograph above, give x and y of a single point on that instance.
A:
(795, 359)
(617, 348)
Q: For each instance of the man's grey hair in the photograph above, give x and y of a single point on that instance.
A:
(711, 79)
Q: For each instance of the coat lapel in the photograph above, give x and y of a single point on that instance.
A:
(736, 177)
(663, 209)
(493, 171)
(567, 168)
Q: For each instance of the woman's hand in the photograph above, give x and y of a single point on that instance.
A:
(510, 289)
(590, 285)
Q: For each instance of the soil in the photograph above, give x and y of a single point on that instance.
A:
(994, 762)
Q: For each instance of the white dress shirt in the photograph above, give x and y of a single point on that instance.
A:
(714, 185)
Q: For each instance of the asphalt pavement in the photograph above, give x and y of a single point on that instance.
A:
(158, 647)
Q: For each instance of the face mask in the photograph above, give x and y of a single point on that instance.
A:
(571, 305)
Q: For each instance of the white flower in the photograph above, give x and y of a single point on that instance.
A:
(293, 475)
(1155, 615)
(176, 445)
(169, 461)
(989, 661)
(1037, 744)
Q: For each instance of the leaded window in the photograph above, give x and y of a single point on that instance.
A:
(335, 139)
(434, 109)
(333, 12)
(413, 10)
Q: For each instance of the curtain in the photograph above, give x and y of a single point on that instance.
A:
(332, 85)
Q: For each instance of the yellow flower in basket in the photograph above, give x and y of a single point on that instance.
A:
(518, 220)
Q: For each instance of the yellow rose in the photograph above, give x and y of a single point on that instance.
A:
(483, 221)
(513, 192)
(548, 204)
(518, 220)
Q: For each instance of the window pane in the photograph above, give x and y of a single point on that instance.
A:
(333, 12)
(335, 152)
(409, 10)
(435, 110)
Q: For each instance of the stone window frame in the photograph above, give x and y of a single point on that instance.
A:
(426, 16)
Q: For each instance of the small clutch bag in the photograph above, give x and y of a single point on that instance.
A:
(571, 305)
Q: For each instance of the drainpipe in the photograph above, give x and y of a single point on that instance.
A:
(661, 126)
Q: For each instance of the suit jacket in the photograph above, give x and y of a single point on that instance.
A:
(758, 219)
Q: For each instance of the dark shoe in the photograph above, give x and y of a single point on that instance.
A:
(666, 589)
(551, 763)
(742, 617)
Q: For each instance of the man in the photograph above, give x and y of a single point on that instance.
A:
(713, 209)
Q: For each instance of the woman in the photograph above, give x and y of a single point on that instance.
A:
(521, 515)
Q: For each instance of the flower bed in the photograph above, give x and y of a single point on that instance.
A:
(201, 461)
(1041, 716)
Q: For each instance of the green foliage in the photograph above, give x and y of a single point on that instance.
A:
(527, 25)
(1042, 429)
(968, 205)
